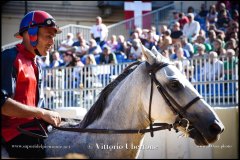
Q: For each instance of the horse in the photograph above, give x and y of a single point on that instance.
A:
(150, 91)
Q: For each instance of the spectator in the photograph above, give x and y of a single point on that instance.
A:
(191, 29)
(212, 15)
(211, 37)
(221, 8)
(175, 19)
(56, 60)
(65, 60)
(223, 20)
(191, 10)
(66, 45)
(231, 44)
(133, 36)
(113, 43)
(94, 48)
(202, 33)
(139, 32)
(121, 45)
(90, 60)
(180, 57)
(154, 32)
(79, 37)
(201, 16)
(188, 47)
(99, 32)
(234, 35)
(233, 27)
(230, 65)
(221, 36)
(200, 53)
(150, 41)
(203, 12)
(89, 74)
(176, 33)
(165, 53)
(182, 20)
(136, 52)
(218, 47)
(163, 29)
(166, 40)
(235, 15)
(43, 61)
(213, 70)
(107, 57)
(71, 60)
(80, 46)
(201, 40)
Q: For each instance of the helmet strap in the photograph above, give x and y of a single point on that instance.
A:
(37, 52)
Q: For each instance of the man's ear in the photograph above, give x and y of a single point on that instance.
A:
(149, 56)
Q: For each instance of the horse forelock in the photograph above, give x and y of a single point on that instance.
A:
(99, 106)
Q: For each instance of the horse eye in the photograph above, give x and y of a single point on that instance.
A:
(174, 84)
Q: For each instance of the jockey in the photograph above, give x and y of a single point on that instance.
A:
(22, 87)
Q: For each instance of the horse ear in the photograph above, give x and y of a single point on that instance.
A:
(158, 55)
(154, 51)
(149, 56)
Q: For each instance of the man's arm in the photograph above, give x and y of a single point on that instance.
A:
(15, 109)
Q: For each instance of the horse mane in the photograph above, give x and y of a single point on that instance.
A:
(99, 106)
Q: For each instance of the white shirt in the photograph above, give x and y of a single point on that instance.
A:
(190, 28)
(137, 54)
(184, 63)
(212, 71)
(67, 42)
(99, 31)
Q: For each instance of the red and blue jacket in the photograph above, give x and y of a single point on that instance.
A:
(21, 80)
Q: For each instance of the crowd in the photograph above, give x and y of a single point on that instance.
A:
(211, 34)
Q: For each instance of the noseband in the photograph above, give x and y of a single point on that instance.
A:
(179, 110)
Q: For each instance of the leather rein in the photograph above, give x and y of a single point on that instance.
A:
(152, 69)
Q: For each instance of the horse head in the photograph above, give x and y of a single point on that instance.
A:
(183, 104)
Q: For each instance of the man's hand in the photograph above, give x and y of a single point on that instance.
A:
(51, 117)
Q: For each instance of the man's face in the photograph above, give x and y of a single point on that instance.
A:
(189, 18)
(46, 38)
(98, 21)
(105, 51)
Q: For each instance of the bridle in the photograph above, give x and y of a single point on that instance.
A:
(179, 110)
(175, 107)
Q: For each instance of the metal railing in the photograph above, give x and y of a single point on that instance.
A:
(80, 86)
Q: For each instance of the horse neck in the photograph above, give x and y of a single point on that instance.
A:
(124, 111)
(124, 105)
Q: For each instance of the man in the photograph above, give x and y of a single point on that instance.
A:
(99, 32)
(66, 45)
(22, 87)
(174, 20)
(192, 28)
(107, 57)
(213, 70)
(176, 33)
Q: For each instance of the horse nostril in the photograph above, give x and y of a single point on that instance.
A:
(215, 128)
